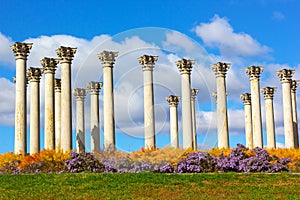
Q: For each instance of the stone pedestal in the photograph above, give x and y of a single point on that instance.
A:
(220, 70)
(108, 59)
(285, 76)
(49, 67)
(246, 97)
(94, 88)
(194, 93)
(254, 75)
(270, 125)
(66, 55)
(185, 67)
(294, 85)
(173, 101)
(34, 76)
(80, 94)
(57, 111)
(147, 63)
(21, 51)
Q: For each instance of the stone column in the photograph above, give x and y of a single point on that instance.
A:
(294, 86)
(246, 97)
(80, 94)
(94, 88)
(21, 51)
(254, 75)
(147, 63)
(194, 93)
(57, 111)
(34, 76)
(185, 67)
(49, 67)
(270, 125)
(285, 76)
(66, 55)
(173, 102)
(220, 70)
(108, 59)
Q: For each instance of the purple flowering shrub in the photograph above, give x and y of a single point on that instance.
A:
(239, 160)
(83, 162)
(10, 167)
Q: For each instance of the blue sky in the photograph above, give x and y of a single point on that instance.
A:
(259, 32)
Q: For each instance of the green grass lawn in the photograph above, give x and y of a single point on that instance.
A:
(150, 186)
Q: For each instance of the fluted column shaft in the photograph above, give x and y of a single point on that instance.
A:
(285, 76)
(108, 59)
(173, 102)
(147, 63)
(194, 93)
(270, 125)
(49, 67)
(94, 88)
(254, 75)
(248, 119)
(80, 94)
(57, 111)
(220, 70)
(66, 55)
(21, 51)
(294, 85)
(34, 75)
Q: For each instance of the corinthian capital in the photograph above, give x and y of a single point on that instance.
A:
(173, 100)
(57, 84)
(246, 97)
(254, 71)
(268, 92)
(294, 85)
(108, 58)
(94, 87)
(34, 74)
(66, 54)
(220, 69)
(79, 93)
(49, 65)
(194, 93)
(285, 75)
(185, 66)
(21, 50)
(147, 62)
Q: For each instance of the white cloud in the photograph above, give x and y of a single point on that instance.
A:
(220, 34)
(6, 57)
(278, 16)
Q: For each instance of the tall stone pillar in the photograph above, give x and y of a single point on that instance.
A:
(294, 85)
(194, 93)
(49, 67)
(94, 88)
(173, 102)
(285, 76)
(34, 76)
(270, 125)
(220, 70)
(254, 75)
(185, 67)
(80, 94)
(246, 97)
(147, 63)
(108, 59)
(66, 55)
(21, 51)
(57, 111)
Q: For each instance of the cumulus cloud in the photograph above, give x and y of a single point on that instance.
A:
(6, 57)
(220, 34)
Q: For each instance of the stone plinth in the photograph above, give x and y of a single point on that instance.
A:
(246, 97)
